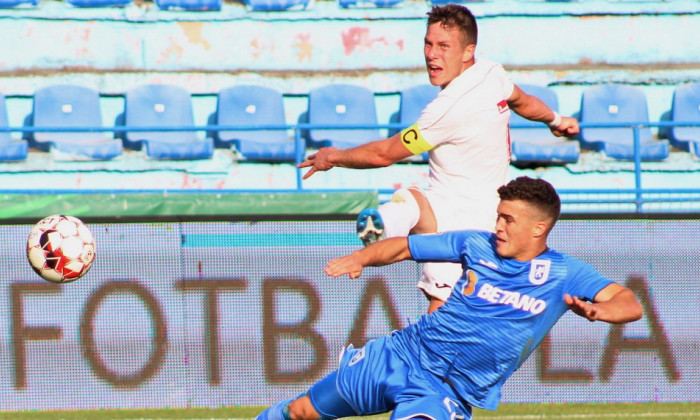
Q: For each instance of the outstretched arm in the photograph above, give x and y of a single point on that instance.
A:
(377, 254)
(375, 154)
(532, 108)
(615, 304)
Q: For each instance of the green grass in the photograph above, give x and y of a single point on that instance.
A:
(594, 411)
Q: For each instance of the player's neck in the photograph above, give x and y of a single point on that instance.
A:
(533, 253)
(467, 64)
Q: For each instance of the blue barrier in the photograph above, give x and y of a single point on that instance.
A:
(638, 196)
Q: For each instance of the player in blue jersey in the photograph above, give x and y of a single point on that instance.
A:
(513, 290)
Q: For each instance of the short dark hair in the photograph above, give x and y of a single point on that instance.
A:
(537, 192)
(455, 16)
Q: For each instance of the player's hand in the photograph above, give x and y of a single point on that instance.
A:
(568, 127)
(581, 308)
(348, 264)
(319, 161)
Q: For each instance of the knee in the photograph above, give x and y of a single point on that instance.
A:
(426, 222)
(301, 409)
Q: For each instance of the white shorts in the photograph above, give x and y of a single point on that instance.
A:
(459, 213)
(438, 279)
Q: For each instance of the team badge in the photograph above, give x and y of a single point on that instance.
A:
(539, 271)
(357, 357)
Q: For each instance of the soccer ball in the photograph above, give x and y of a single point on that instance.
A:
(60, 248)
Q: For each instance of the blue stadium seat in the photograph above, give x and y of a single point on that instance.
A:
(686, 108)
(341, 104)
(71, 106)
(168, 106)
(6, 4)
(539, 145)
(99, 3)
(254, 105)
(276, 5)
(10, 149)
(369, 3)
(193, 5)
(612, 103)
(441, 2)
(412, 102)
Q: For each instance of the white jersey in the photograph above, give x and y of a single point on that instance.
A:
(467, 125)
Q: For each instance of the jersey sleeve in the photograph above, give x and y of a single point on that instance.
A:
(506, 82)
(584, 281)
(439, 247)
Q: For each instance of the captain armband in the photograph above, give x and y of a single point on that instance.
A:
(414, 141)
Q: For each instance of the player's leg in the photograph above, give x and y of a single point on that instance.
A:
(438, 279)
(279, 411)
(322, 401)
(427, 221)
(326, 400)
(433, 407)
(407, 212)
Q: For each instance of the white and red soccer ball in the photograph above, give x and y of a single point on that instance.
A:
(60, 248)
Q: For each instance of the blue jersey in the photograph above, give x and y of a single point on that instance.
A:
(498, 313)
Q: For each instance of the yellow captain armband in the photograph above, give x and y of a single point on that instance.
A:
(414, 141)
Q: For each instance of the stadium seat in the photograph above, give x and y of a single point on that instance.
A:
(441, 2)
(193, 5)
(539, 145)
(99, 3)
(7, 4)
(686, 108)
(253, 105)
(411, 104)
(71, 106)
(166, 106)
(369, 3)
(341, 104)
(276, 5)
(10, 149)
(612, 103)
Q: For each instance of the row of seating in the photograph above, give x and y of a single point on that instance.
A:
(256, 5)
(160, 119)
(193, 5)
(209, 5)
(607, 104)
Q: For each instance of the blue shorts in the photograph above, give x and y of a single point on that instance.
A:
(375, 379)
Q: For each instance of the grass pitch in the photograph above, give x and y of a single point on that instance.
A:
(593, 411)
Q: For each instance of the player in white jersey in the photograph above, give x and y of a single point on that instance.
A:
(513, 290)
(465, 129)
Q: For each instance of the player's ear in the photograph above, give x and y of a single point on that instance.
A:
(468, 53)
(539, 229)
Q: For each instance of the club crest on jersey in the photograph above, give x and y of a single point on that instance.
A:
(539, 271)
(357, 357)
(502, 106)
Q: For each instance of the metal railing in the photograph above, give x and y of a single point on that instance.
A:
(637, 196)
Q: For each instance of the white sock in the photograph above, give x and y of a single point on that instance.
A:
(400, 214)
